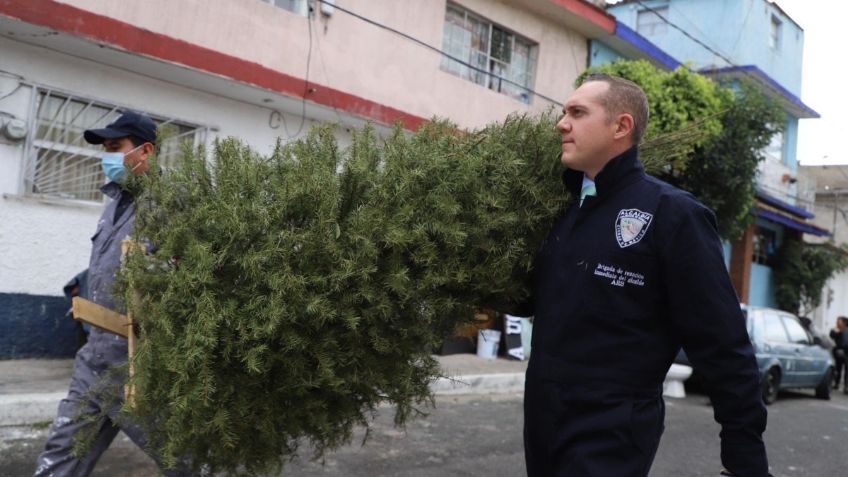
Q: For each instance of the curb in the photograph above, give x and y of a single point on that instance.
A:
(26, 409)
(498, 383)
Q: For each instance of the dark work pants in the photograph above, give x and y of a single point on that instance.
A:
(570, 433)
(94, 388)
(839, 364)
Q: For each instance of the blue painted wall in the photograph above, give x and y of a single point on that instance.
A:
(33, 326)
(738, 29)
(762, 287)
(601, 54)
(762, 291)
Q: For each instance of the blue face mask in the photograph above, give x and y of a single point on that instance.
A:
(113, 165)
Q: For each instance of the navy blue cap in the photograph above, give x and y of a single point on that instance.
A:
(129, 124)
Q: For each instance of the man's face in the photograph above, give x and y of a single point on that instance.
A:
(135, 159)
(587, 134)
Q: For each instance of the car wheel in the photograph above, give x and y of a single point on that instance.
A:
(771, 384)
(823, 389)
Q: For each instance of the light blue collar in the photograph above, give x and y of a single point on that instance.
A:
(586, 182)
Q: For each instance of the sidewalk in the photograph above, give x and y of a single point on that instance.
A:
(30, 389)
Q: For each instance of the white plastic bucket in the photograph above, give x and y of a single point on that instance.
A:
(487, 343)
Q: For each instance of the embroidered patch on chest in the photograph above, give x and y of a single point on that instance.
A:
(630, 226)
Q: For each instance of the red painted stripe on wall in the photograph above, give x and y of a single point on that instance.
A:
(589, 13)
(105, 30)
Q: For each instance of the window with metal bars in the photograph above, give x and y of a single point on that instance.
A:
(500, 60)
(61, 164)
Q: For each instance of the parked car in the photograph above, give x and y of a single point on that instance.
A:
(786, 354)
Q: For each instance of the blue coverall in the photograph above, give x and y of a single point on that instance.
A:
(98, 381)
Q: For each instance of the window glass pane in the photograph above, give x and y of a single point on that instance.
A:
(774, 150)
(520, 71)
(773, 329)
(765, 246)
(290, 5)
(480, 35)
(774, 34)
(456, 42)
(796, 331)
(68, 175)
(501, 45)
(648, 22)
(499, 71)
(480, 74)
(497, 58)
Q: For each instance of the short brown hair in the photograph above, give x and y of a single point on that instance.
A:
(624, 96)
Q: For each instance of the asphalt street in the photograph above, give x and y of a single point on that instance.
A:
(481, 435)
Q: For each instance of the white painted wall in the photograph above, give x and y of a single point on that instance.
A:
(837, 289)
(42, 245)
(770, 176)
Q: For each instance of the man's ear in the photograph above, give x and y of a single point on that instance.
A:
(624, 125)
(147, 149)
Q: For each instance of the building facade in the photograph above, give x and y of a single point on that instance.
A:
(259, 70)
(760, 43)
(826, 187)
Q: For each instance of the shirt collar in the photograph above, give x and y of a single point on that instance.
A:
(618, 171)
(586, 182)
(112, 189)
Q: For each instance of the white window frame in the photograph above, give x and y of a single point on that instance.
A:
(299, 7)
(499, 80)
(652, 24)
(55, 144)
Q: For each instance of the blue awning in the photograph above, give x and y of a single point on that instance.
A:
(792, 223)
(645, 46)
(786, 206)
(792, 103)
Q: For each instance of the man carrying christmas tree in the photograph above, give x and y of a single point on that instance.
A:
(95, 397)
(630, 273)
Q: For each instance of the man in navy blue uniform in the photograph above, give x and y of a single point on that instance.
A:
(630, 273)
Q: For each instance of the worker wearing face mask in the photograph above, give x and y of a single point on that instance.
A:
(96, 391)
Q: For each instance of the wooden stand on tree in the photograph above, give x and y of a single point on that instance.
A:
(113, 322)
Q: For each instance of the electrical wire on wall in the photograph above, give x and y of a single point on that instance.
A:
(306, 87)
(327, 76)
(20, 79)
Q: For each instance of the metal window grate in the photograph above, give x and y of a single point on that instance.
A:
(60, 164)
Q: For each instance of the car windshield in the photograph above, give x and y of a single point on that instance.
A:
(766, 327)
(795, 330)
